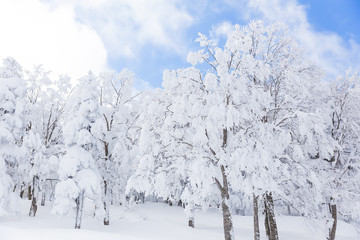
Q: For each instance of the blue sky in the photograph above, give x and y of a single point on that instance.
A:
(149, 36)
(342, 17)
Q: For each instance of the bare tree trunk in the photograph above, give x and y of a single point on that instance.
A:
(79, 209)
(333, 211)
(227, 219)
(228, 225)
(106, 197)
(191, 221)
(289, 209)
(169, 202)
(29, 192)
(35, 193)
(22, 190)
(21, 193)
(270, 221)
(106, 205)
(256, 217)
(267, 225)
(142, 197)
(43, 195)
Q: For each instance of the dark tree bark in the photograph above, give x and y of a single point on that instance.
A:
(43, 195)
(29, 192)
(267, 225)
(106, 205)
(35, 193)
(270, 221)
(191, 221)
(224, 190)
(106, 197)
(79, 209)
(22, 190)
(332, 230)
(227, 219)
(21, 193)
(256, 217)
(228, 225)
(142, 197)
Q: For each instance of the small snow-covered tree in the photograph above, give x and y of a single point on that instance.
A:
(340, 173)
(151, 144)
(115, 133)
(161, 153)
(6, 185)
(79, 177)
(42, 141)
(185, 111)
(51, 122)
(12, 90)
(34, 159)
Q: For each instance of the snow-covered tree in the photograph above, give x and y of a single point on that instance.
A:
(52, 123)
(279, 81)
(12, 90)
(186, 111)
(340, 173)
(156, 166)
(151, 144)
(6, 185)
(116, 134)
(166, 160)
(78, 174)
(246, 101)
(42, 142)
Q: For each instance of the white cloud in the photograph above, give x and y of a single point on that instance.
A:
(33, 33)
(222, 29)
(127, 26)
(73, 37)
(329, 50)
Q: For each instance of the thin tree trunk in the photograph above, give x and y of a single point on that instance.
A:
(142, 197)
(289, 209)
(35, 193)
(228, 225)
(191, 221)
(22, 190)
(21, 193)
(106, 198)
(224, 190)
(29, 192)
(79, 209)
(333, 211)
(267, 225)
(270, 221)
(227, 219)
(256, 217)
(106, 205)
(43, 196)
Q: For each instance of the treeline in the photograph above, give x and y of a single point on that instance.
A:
(252, 129)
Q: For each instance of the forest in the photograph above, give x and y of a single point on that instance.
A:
(251, 127)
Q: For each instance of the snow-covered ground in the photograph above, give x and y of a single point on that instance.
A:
(153, 221)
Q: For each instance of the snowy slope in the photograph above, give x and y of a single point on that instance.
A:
(152, 221)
